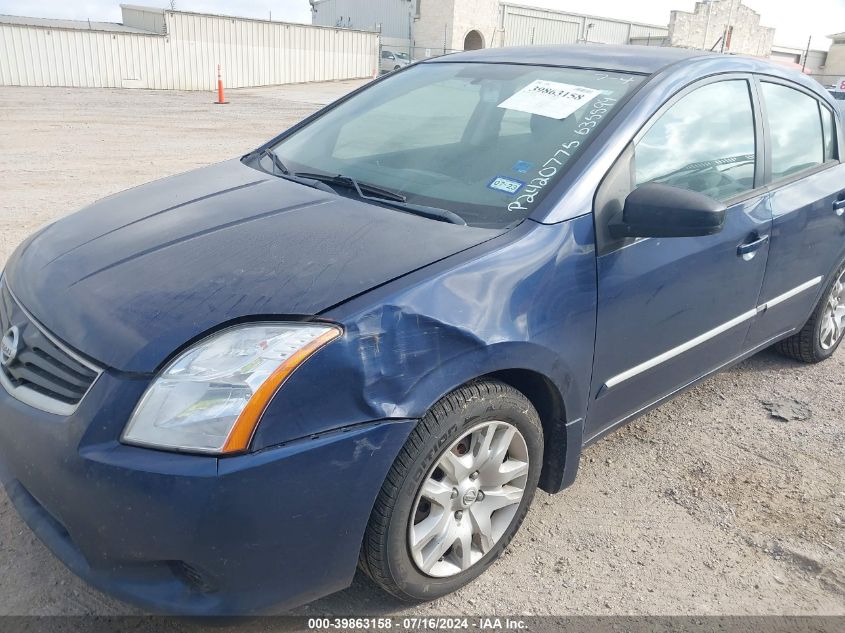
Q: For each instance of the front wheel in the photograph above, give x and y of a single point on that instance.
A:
(456, 494)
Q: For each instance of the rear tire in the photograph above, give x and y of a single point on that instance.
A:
(483, 434)
(823, 333)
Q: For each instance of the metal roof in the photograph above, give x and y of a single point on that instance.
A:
(626, 58)
(77, 25)
(142, 7)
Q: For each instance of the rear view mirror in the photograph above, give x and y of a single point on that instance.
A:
(655, 210)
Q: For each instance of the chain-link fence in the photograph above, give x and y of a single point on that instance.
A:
(393, 57)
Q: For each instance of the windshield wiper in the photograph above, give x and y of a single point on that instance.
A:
(433, 213)
(279, 169)
(380, 193)
(277, 162)
(385, 196)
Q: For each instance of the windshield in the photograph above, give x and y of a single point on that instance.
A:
(483, 141)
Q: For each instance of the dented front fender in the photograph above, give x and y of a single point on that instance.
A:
(525, 300)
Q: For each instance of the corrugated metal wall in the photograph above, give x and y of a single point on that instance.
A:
(144, 18)
(640, 30)
(251, 52)
(393, 15)
(525, 25)
(261, 53)
(523, 29)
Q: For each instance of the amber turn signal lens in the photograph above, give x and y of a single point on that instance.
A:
(244, 428)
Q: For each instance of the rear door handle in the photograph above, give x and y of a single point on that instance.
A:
(747, 250)
(839, 207)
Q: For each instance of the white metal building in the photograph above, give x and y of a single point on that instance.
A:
(163, 49)
(432, 27)
(812, 61)
(391, 18)
(527, 25)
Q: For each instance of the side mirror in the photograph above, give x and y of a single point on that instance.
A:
(655, 210)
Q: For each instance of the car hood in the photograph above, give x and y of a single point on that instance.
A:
(131, 278)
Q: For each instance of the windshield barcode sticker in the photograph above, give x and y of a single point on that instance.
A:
(506, 185)
(550, 99)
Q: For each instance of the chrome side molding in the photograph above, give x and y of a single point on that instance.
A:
(706, 336)
(786, 296)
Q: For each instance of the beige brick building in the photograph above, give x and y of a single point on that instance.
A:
(721, 25)
(835, 62)
(456, 24)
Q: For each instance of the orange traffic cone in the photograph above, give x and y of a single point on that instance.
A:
(221, 99)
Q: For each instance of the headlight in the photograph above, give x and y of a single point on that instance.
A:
(210, 398)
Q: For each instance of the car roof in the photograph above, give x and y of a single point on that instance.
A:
(646, 60)
(626, 58)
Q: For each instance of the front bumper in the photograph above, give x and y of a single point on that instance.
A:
(186, 534)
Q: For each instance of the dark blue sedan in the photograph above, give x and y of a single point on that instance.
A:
(369, 341)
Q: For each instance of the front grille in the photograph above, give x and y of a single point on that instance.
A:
(40, 364)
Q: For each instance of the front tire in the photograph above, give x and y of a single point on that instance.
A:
(456, 494)
(823, 333)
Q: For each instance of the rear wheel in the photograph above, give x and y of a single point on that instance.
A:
(823, 333)
(456, 494)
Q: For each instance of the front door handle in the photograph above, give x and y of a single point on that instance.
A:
(749, 249)
(839, 207)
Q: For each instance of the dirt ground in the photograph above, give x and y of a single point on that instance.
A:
(708, 505)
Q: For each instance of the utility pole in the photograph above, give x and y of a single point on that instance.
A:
(728, 27)
(806, 54)
(707, 26)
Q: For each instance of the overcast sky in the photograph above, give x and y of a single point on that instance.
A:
(794, 21)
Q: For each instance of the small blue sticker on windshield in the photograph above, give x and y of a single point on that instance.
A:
(522, 166)
(506, 185)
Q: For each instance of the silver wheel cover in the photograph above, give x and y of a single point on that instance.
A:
(833, 316)
(468, 499)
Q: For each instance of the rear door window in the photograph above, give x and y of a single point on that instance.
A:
(795, 127)
(829, 131)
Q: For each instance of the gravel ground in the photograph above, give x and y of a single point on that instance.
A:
(708, 505)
